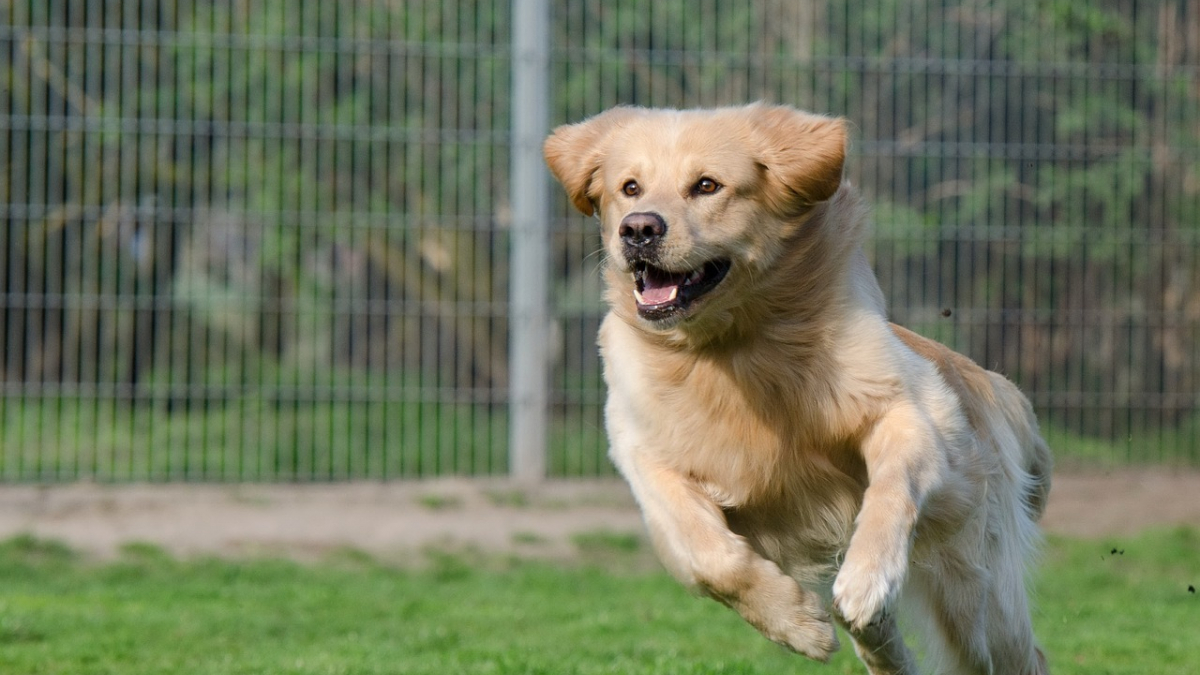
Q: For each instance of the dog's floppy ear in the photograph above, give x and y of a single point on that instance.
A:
(574, 153)
(802, 153)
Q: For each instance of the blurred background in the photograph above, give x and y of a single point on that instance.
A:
(271, 240)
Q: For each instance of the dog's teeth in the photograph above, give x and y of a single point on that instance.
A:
(674, 293)
(638, 296)
(696, 276)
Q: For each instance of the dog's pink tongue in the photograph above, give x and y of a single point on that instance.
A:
(660, 286)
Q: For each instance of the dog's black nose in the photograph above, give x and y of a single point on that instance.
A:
(642, 230)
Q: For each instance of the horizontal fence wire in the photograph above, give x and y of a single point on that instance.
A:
(270, 241)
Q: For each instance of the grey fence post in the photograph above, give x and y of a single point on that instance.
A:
(529, 317)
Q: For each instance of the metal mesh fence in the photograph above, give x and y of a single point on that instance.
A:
(270, 240)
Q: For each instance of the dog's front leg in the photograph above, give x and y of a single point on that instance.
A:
(905, 463)
(695, 543)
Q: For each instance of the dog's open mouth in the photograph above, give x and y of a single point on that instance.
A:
(661, 294)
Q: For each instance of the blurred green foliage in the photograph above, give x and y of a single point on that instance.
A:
(204, 200)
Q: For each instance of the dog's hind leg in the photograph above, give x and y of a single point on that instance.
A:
(881, 647)
(946, 599)
(1009, 629)
(976, 621)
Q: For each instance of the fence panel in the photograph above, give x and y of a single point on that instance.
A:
(254, 241)
(271, 240)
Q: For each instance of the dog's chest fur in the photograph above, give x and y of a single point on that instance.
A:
(765, 445)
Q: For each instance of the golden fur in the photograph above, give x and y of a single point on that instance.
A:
(793, 453)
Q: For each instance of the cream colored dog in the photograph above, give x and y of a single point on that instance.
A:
(778, 433)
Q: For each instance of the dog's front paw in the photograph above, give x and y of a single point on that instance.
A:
(863, 593)
(790, 616)
(806, 631)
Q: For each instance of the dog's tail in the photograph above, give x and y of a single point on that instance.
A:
(1036, 459)
(1039, 463)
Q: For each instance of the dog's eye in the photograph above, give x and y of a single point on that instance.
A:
(631, 188)
(706, 186)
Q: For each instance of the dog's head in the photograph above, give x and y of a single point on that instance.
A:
(695, 205)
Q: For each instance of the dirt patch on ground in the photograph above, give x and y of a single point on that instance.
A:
(401, 520)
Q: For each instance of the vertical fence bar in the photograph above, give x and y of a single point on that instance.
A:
(529, 316)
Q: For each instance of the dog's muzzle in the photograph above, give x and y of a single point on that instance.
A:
(661, 294)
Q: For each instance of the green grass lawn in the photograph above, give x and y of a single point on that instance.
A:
(1098, 612)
